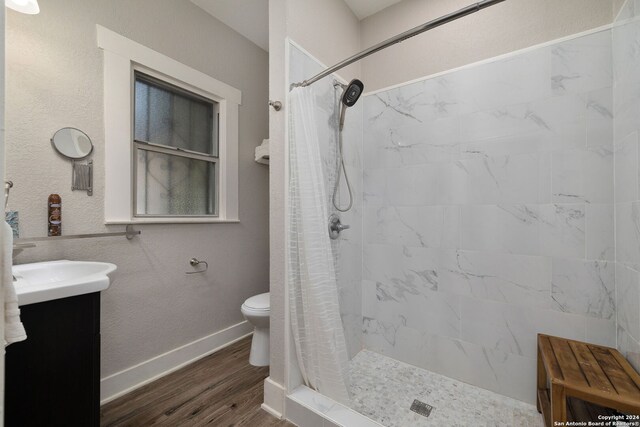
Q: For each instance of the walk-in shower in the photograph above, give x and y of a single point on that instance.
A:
(413, 307)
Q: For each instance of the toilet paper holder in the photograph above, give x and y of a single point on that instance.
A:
(196, 262)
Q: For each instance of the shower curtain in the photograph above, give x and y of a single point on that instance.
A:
(313, 291)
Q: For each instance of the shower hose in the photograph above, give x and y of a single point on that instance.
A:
(339, 169)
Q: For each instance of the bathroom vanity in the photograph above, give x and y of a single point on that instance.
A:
(53, 378)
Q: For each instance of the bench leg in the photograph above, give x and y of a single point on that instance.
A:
(558, 404)
(542, 379)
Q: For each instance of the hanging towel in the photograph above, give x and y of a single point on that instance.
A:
(262, 152)
(13, 329)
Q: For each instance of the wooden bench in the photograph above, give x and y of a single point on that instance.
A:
(573, 372)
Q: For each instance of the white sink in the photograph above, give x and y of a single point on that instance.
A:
(45, 281)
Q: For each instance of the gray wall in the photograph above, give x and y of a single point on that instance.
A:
(277, 191)
(54, 79)
(326, 28)
(508, 26)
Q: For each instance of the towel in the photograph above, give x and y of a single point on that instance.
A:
(13, 329)
(262, 152)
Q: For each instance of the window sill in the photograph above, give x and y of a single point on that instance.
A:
(174, 221)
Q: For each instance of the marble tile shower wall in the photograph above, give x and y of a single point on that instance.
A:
(626, 95)
(488, 214)
(347, 249)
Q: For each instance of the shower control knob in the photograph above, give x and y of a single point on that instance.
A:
(335, 226)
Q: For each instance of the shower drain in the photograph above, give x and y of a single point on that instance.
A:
(421, 408)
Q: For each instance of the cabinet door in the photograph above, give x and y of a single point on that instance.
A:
(52, 378)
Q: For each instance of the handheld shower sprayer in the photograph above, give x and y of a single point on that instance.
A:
(350, 95)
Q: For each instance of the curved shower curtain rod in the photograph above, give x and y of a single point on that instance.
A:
(473, 8)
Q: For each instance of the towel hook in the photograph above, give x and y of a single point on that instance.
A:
(195, 262)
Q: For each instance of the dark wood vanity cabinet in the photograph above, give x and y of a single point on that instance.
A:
(53, 378)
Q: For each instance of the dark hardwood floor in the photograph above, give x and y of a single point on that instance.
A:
(219, 390)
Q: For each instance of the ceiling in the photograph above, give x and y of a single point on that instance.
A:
(251, 17)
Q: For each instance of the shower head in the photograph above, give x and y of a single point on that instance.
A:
(350, 96)
(352, 92)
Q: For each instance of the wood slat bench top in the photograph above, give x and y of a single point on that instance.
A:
(592, 372)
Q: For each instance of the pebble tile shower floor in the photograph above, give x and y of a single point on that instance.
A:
(383, 389)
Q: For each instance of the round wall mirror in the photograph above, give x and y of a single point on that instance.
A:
(72, 143)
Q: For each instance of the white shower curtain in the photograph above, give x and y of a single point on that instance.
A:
(313, 290)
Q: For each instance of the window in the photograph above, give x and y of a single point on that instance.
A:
(171, 136)
(176, 145)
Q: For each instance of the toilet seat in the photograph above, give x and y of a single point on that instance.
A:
(258, 303)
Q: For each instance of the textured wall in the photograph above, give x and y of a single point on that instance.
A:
(626, 60)
(326, 28)
(54, 79)
(489, 214)
(277, 191)
(508, 26)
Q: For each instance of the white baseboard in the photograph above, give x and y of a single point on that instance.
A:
(273, 398)
(270, 410)
(115, 385)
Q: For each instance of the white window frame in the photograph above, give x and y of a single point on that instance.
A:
(148, 146)
(121, 58)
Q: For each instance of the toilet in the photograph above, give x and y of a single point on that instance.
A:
(256, 310)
